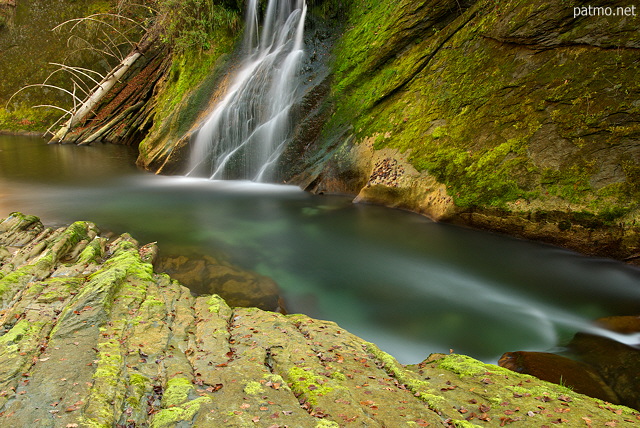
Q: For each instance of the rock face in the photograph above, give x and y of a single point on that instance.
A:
(92, 337)
(517, 116)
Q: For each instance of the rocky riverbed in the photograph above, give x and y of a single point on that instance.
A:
(92, 337)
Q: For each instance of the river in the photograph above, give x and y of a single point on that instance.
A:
(408, 284)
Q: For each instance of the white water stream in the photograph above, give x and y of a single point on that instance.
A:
(247, 131)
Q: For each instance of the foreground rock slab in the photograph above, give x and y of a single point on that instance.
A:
(92, 337)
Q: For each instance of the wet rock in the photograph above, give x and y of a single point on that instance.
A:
(239, 287)
(113, 343)
(599, 366)
(560, 370)
(616, 362)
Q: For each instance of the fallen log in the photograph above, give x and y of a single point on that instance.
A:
(104, 129)
(103, 88)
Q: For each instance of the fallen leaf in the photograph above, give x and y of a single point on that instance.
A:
(484, 408)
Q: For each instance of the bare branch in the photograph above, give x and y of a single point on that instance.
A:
(54, 107)
(43, 85)
(80, 70)
(92, 18)
(90, 47)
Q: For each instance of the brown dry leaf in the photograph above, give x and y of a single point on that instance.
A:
(484, 408)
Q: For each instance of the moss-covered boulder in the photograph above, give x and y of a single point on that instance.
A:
(92, 337)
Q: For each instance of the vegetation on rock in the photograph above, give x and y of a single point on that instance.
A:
(518, 108)
(121, 345)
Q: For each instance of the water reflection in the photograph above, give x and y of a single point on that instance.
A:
(395, 278)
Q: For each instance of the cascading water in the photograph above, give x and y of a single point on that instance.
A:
(246, 133)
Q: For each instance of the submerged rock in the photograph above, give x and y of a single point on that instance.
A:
(561, 370)
(599, 366)
(238, 287)
(92, 337)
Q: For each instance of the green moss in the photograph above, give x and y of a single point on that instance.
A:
(106, 389)
(92, 252)
(215, 303)
(253, 388)
(324, 423)
(338, 376)
(26, 119)
(307, 383)
(463, 424)
(10, 340)
(170, 417)
(55, 289)
(420, 388)
(110, 361)
(177, 392)
(476, 139)
(465, 366)
(19, 277)
(138, 385)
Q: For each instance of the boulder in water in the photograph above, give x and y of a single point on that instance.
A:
(239, 287)
(560, 370)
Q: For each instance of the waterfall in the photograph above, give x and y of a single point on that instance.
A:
(246, 133)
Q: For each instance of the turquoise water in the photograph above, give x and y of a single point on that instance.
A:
(395, 278)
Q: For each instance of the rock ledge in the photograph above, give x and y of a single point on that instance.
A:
(92, 337)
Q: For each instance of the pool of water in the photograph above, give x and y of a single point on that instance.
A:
(395, 278)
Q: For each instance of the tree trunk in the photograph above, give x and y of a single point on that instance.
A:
(104, 87)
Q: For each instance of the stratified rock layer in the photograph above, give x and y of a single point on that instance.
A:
(92, 337)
